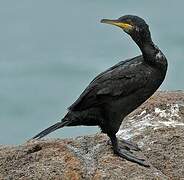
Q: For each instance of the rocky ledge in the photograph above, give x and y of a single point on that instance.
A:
(157, 127)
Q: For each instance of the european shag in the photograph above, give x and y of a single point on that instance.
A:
(119, 90)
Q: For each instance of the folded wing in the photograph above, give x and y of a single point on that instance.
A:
(120, 80)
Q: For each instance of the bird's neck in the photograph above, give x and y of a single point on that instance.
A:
(152, 54)
(146, 45)
(149, 50)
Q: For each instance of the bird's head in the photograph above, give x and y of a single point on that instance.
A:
(135, 26)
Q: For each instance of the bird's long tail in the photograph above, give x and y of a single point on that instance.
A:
(51, 129)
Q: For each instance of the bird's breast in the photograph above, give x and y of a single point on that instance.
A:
(126, 104)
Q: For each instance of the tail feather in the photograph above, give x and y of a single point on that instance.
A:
(51, 129)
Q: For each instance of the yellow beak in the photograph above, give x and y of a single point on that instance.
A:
(124, 26)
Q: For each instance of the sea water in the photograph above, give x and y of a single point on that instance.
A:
(51, 50)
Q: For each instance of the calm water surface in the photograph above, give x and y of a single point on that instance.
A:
(51, 50)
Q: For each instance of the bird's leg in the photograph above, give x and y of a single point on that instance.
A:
(124, 153)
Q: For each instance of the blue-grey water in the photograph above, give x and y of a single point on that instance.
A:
(51, 50)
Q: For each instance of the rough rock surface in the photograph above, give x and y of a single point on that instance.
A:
(157, 127)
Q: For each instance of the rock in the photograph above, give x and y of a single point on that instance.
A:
(157, 127)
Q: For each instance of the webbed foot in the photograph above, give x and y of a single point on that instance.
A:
(124, 151)
(125, 144)
(130, 157)
(129, 145)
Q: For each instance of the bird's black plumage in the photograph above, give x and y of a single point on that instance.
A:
(119, 90)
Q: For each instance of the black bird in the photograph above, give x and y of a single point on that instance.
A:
(119, 90)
